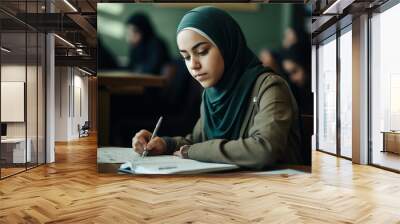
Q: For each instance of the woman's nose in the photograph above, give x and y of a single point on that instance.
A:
(194, 64)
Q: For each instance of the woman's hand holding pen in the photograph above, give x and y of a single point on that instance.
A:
(157, 146)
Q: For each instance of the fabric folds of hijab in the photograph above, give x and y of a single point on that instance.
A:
(225, 104)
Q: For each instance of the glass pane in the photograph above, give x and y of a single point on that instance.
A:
(346, 94)
(13, 87)
(313, 81)
(385, 84)
(327, 97)
(31, 100)
(32, 83)
(22, 63)
(41, 99)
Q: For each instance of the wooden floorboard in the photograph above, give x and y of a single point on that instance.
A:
(386, 159)
(71, 191)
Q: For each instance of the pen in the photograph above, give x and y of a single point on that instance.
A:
(153, 135)
(167, 167)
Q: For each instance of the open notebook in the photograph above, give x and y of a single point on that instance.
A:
(134, 164)
(171, 165)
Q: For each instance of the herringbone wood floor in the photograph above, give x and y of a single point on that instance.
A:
(71, 191)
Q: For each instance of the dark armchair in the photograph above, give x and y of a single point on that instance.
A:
(84, 129)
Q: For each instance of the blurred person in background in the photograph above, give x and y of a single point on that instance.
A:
(297, 66)
(296, 62)
(148, 55)
(268, 58)
(294, 36)
(297, 56)
(148, 52)
(272, 59)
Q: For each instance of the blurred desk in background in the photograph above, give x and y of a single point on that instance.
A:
(121, 82)
(124, 81)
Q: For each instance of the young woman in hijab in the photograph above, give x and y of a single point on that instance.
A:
(248, 114)
(148, 52)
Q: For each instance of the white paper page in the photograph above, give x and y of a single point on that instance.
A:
(173, 164)
(115, 155)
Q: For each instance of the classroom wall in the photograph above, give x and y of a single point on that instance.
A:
(263, 27)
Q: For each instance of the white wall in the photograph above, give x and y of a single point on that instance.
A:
(80, 103)
(70, 83)
(62, 81)
(15, 72)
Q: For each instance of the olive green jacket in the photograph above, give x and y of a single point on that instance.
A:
(269, 133)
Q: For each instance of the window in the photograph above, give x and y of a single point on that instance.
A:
(385, 87)
(327, 96)
(346, 93)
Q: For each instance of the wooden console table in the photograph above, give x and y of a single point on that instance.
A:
(391, 141)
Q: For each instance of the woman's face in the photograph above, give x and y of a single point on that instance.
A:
(203, 60)
(289, 38)
(134, 36)
(295, 71)
(267, 59)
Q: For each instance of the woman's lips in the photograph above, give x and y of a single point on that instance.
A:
(201, 77)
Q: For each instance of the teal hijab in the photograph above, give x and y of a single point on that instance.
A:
(224, 105)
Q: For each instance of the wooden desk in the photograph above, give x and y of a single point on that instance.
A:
(391, 141)
(109, 160)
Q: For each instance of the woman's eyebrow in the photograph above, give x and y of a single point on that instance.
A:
(195, 46)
